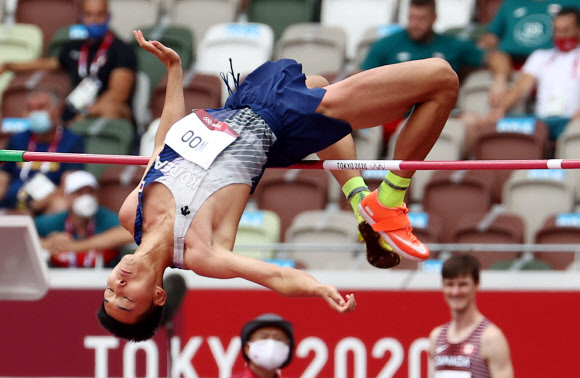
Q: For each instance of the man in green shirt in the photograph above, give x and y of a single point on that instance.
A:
(522, 26)
(420, 41)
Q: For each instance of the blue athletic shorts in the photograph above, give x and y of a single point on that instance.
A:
(278, 93)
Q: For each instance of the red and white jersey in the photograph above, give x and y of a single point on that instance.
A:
(463, 359)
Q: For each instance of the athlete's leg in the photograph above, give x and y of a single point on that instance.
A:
(355, 189)
(382, 94)
(378, 96)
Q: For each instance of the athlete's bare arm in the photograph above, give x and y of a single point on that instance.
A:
(173, 111)
(218, 262)
(496, 352)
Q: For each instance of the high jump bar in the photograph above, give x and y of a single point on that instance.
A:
(332, 165)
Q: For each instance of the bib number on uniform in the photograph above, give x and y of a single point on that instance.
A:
(200, 138)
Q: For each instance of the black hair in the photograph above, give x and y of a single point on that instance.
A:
(566, 11)
(424, 3)
(459, 265)
(141, 331)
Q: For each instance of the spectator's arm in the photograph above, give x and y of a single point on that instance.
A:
(500, 65)
(489, 41)
(49, 64)
(495, 350)
(120, 86)
(113, 102)
(112, 238)
(4, 182)
(521, 89)
(495, 29)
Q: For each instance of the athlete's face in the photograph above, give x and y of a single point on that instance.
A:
(421, 20)
(459, 292)
(131, 290)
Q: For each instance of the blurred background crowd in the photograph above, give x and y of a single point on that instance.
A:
(73, 79)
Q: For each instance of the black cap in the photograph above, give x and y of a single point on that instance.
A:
(268, 320)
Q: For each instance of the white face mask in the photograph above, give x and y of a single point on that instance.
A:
(85, 206)
(268, 354)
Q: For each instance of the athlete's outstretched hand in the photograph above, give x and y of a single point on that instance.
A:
(335, 300)
(166, 55)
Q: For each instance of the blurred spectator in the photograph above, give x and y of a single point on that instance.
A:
(522, 26)
(102, 68)
(33, 186)
(556, 72)
(86, 234)
(469, 345)
(420, 41)
(267, 346)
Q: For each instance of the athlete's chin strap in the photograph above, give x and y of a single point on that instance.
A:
(225, 78)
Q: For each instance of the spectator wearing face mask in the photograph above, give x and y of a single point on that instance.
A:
(86, 234)
(34, 186)
(555, 73)
(102, 68)
(267, 346)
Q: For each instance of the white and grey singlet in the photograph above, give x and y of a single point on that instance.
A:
(242, 162)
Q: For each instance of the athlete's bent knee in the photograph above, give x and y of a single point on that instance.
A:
(316, 81)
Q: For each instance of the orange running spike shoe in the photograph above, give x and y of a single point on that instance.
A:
(393, 226)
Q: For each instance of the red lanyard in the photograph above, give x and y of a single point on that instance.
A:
(53, 143)
(98, 60)
(69, 229)
(44, 167)
(89, 260)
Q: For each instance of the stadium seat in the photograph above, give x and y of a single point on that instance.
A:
(62, 12)
(258, 227)
(536, 195)
(20, 42)
(104, 136)
(200, 92)
(474, 94)
(320, 49)
(494, 227)
(324, 227)
(248, 45)
(510, 139)
(64, 35)
(200, 15)
(141, 102)
(116, 183)
(129, 15)
(14, 96)
(568, 147)
(370, 36)
(290, 192)
(356, 16)
(563, 228)
(450, 13)
(368, 143)
(147, 142)
(448, 192)
(280, 14)
(449, 146)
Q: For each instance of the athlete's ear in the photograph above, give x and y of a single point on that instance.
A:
(160, 296)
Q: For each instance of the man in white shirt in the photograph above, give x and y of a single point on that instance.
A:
(556, 72)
